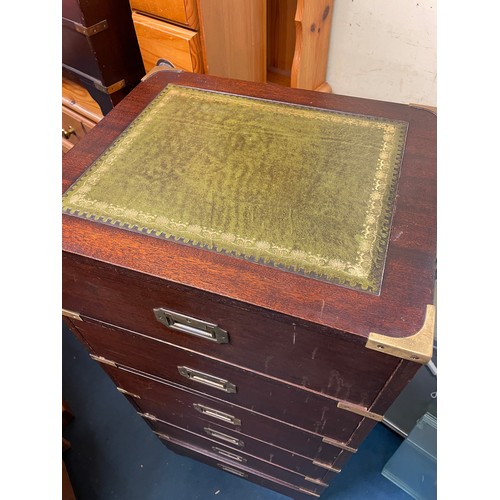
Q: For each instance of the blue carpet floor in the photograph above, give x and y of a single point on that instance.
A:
(114, 454)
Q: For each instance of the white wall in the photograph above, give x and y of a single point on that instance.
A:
(384, 49)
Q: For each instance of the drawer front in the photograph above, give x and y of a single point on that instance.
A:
(66, 145)
(180, 11)
(311, 474)
(268, 343)
(239, 458)
(161, 40)
(78, 99)
(240, 443)
(247, 389)
(74, 126)
(163, 400)
(241, 471)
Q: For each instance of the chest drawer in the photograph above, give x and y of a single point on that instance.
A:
(292, 491)
(74, 126)
(270, 344)
(80, 113)
(76, 98)
(239, 458)
(261, 450)
(161, 40)
(168, 402)
(181, 11)
(297, 407)
(314, 451)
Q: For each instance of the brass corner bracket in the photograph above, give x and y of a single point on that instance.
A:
(417, 347)
(315, 481)
(338, 444)
(86, 30)
(359, 410)
(72, 314)
(325, 466)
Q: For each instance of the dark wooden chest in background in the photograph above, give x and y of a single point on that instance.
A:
(100, 49)
(272, 375)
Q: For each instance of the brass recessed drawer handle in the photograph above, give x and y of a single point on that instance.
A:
(224, 437)
(206, 379)
(68, 133)
(191, 326)
(228, 454)
(210, 412)
(232, 471)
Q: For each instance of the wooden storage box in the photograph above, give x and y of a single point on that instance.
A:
(100, 49)
(254, 267)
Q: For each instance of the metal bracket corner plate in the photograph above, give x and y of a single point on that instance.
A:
(325, 466)
(417, 347)
(316, 481)
(127, 393)
(148, 416)
(338, 444)
(162, 436)
(359, 410)
(84, 30)
(111, 88)
(307, 492)
(71, 314)
(104, 361)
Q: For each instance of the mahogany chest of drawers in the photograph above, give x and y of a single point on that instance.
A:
(254, 267)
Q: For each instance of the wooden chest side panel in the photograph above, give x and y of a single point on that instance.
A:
(234, 38)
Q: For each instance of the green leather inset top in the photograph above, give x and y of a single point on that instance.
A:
(303, 189)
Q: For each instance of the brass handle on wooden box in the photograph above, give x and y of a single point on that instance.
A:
(210, 412)
(206, 379)
(224, 437)
(68, 133)
(228, 454)
(191, 326)
(232, 471)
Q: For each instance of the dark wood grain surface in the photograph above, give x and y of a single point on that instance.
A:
(323, 360)
(164, 400)
(272, 454)
(408, 283)
(300, 408)
(258, 465)
(267, 481)
(221, 450)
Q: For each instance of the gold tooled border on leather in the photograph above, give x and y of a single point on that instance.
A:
(364, 273)
(417, 347)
